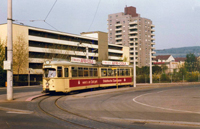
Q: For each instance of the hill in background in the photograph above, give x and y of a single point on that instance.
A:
(179, 52)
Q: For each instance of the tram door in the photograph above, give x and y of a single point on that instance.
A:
(60, 83)
(66, 80)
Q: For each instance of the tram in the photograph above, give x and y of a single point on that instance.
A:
(64, 76)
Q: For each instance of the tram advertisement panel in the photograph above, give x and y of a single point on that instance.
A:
(86, 82)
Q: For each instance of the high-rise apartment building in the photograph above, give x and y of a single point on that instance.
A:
(128, 28)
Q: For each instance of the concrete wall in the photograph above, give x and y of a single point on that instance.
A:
(103, 46)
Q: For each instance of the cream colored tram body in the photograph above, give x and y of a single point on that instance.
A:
(63, 76)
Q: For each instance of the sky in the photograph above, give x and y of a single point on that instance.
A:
(177, 22)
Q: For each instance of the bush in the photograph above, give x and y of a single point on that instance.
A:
(192, 77)
(165, 78)
(142, 78)
(156, 78)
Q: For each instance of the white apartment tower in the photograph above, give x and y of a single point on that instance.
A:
(128, 28)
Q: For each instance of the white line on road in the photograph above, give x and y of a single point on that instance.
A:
(185, 111)
(19, 111)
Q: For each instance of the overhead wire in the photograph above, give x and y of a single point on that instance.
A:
(50, 10)
(41, 20)
(94, 15)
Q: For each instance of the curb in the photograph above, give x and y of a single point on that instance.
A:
(143, 121)
(34, 97)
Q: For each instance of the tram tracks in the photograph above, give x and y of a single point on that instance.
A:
(73, 119)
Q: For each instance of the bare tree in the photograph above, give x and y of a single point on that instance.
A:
(2, 52)
(20, 54)
(56, 51)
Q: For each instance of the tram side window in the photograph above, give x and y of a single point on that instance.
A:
(110, 72)
(103, 72)
(117, 72)
(127, 72)
(80, 71)
(74, 71)
(59, 71)
(122, 72)
(85, 72)
(66, 72)
(91, 72)
(95, 72)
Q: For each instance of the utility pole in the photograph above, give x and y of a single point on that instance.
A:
(150, 65)
(134, 67)
(9, 52)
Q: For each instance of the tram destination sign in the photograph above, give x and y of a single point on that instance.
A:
(82, 60)
(114, 63)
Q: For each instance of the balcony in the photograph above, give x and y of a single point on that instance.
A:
(118, 38)
(119, 33)
(153, 48)
(133, 23)
(132, 46)
(133, 27)
(133, 56)
(152, 43)
(133, 32)
(118, 24)
(152, 39)
(152, 30)
(152, 26)
(153, 52)
(118, 43)
(117, 29)
(133, 37)
(153, 56)
(152, 34)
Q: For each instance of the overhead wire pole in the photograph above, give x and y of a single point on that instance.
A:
(134, 67)
(150, 65)
(9, 52)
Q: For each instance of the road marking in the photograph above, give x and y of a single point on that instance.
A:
(155, 121)
(19, 111)
(185, 111)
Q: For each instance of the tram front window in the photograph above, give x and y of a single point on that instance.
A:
(50, 72)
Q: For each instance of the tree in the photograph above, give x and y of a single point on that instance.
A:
(57, 51)
(20, 54)
(156, 69)
(191, 62)
(2, 58)
(164, 67)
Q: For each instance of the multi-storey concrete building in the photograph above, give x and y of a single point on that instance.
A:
(43, 44)
(128, 28)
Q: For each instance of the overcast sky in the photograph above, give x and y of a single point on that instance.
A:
(177, 22)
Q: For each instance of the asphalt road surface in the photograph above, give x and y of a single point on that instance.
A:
(21, 89)
(153, 108)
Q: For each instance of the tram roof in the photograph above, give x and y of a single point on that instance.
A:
(82, 64)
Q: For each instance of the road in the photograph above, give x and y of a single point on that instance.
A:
(19, 89)
(152, 108)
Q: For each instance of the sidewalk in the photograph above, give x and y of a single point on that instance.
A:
(21, 96)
